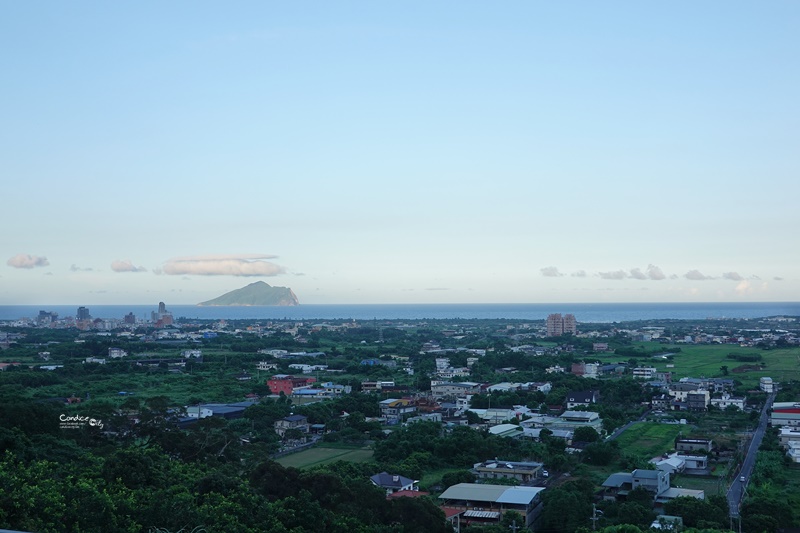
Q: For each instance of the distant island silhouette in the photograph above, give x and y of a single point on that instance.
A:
(258, 293)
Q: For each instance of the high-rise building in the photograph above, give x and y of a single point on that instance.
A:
(559, 325)
(570, 324)
(83, 314)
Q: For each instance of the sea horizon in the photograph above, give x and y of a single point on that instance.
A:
(584, 312)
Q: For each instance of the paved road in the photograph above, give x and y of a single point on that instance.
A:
(737, 488)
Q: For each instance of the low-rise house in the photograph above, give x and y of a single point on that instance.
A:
(393, 483)
(116, 353)
(395, 410)
(697, 400)
(376, 386)
(670, 464)
(644, 372)
(682, 463)
(693, 445)
(524, 472)
(679, 391)
(285, 383)
(541, 386)
(442, 389)
(788, 434)
(426, 417)
(298, 422)
(717, 385)
(507, 431)
(694, 462)
(586, 370)
(486, 504)
(498, 415)
(308, 369)
(582, 398)
(450, 373)
(228, 411)
(618, 486)
(536, 434)
(504, 387)
(726, 401)
(661, 402)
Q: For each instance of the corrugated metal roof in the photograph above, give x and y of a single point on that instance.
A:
(519, 495)
(618, 479)
(476, 492)
(481, 514)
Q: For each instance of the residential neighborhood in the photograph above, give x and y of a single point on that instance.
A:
(488, 423)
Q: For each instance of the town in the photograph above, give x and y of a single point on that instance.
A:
(435, 425)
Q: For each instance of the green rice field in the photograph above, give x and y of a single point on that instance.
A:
(706, 360)
(649, 439)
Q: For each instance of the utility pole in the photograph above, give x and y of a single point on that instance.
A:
(514, 527)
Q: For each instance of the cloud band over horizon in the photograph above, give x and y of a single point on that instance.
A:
(246, 265)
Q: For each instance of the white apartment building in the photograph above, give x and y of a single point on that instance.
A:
(644, 372)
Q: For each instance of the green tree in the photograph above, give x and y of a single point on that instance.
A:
(586, 434)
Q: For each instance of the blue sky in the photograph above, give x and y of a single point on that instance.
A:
(414, 152)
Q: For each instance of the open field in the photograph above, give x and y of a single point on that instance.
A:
(710, 484)
(319, 456)
(649, 439)
(781, 364)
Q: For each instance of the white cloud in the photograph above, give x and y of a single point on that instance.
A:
(744, 287)
(223, 265)
(778, 278)
(76, 268)
(126, 266)
(733, 276)
(550, 272)
(636, 273)
(27, 261)
(579, 274)
(696, 275)
(617, 274)
(655, 273)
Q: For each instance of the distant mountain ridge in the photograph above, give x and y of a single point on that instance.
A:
(258, 293)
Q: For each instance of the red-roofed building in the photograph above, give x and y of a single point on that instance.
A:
(284, 383)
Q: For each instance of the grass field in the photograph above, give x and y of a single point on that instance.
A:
(709, 484)
(649, 439)
(320, 455)
(706, 360)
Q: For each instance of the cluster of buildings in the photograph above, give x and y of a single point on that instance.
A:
(786, 416)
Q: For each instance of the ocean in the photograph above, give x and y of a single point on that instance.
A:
(584, 312)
